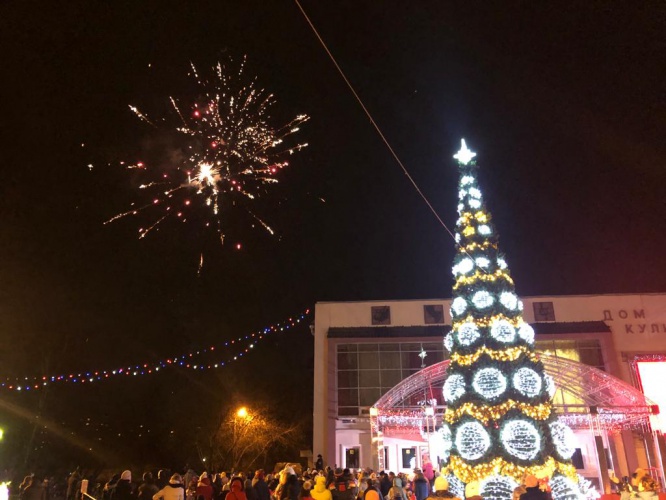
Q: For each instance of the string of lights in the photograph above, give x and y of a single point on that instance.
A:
(186, 361)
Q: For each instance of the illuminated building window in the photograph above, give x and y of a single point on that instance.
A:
(366, 371)
(586, 351)
(408, 458)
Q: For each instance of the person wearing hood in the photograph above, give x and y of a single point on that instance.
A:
(291, 488)
(397, 492)
(123, 489)
(473, 491)
(174, 490)
(204, 488)
(441, 489)
(320, 491)
(236, 490)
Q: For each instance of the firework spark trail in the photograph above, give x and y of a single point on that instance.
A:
(228, 154)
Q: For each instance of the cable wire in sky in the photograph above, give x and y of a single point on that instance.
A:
(374, 124)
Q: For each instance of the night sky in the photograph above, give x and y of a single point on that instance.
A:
(563, 103)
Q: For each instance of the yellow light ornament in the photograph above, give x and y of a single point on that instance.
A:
(485, 413)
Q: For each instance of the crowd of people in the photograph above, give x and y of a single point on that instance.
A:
(290, 483)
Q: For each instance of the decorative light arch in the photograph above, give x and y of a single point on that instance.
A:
(586, 397)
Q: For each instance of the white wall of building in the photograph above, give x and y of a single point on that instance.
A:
(637, 322)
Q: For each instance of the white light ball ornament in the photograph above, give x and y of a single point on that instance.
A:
(527, 382)
(463, 267)
(474, 192)
(472, 441)
(482, 262)
(448, 342)
(509, 300)
(564, 439)
(498, 487)
(474, 203)
(456, 486)
(446, 436)
(502, 331)
(501, 263)
(454, 387)
(489, 383)
(521, 439)
(468, 333)
(563, 488)
(466, 179)
(484, 230)
(526, 332)
(458, 306)
(483, 299)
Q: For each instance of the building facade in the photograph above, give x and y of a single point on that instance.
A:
(364, 350)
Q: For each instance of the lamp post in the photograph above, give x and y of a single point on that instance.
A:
(242, 419)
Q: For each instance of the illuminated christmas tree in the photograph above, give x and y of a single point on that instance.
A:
(499, 422)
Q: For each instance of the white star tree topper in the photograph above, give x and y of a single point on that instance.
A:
(465, 155)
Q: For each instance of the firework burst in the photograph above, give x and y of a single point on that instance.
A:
(225, 154)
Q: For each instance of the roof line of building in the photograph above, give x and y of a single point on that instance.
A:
(524, 297)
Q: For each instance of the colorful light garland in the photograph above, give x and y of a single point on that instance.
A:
(182, 361)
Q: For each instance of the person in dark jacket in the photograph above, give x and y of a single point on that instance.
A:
(148, 488)
(291, 489)
(163, 477)
(109, 487)
(33, 490)
(385, 484)
(421, 486)
(261, 491)
(71, 484)
(123, 489)
(319, 464)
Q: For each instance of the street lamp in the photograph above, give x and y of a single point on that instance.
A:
(242, 412)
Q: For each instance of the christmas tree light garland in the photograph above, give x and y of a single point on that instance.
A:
(499, 412)
(182, 361)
